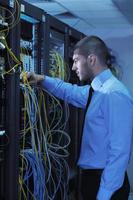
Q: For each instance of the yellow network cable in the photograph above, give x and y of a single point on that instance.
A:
(10, 51)
(59, 68)
(50, 147)
(43, 141)
(12, 15)
(15, 59)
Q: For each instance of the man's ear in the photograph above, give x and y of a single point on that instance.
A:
(91, 59)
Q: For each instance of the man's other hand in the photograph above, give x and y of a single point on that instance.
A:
(34, 79)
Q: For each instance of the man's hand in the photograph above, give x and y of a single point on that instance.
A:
(34, 79)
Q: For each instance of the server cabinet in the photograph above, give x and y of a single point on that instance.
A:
(56, 65)
(9, 95)
(31, 186)
(61, 38)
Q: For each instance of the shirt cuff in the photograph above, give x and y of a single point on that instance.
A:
(104, 194)
(48, 83)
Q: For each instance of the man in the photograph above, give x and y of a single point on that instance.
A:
(107, 133)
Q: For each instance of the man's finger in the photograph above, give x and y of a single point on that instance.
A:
(30, 74)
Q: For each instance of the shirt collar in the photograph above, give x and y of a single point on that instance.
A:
(99, 80)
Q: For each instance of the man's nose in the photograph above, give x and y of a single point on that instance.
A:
(74, 67)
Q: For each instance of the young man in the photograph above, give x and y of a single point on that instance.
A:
(107, 133)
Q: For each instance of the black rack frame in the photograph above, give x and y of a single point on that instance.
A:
(9, 188)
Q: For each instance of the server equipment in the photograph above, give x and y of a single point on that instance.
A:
(35, 127)
(56, 66)
(9, 117)
(31, 166)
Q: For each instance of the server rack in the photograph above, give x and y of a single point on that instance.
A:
(10, 100)
(73, 128)
(56, 38)
(32, 38)
(32, 57)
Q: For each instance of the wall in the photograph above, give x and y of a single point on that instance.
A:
(123, 48)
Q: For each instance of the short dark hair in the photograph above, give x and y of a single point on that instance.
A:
(93, 44)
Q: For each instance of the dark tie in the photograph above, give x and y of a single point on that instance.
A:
(88, 101)
(87, 105)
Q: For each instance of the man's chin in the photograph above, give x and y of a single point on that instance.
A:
(82, 79)
(86, 80)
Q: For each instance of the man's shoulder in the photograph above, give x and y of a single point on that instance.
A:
(114, 85)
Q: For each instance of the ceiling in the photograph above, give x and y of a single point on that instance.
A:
(105, 17)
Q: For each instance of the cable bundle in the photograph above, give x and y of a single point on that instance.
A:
(43, 149)
(13, 17)
(58, 68)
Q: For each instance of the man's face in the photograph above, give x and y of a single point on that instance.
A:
(81, 67)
